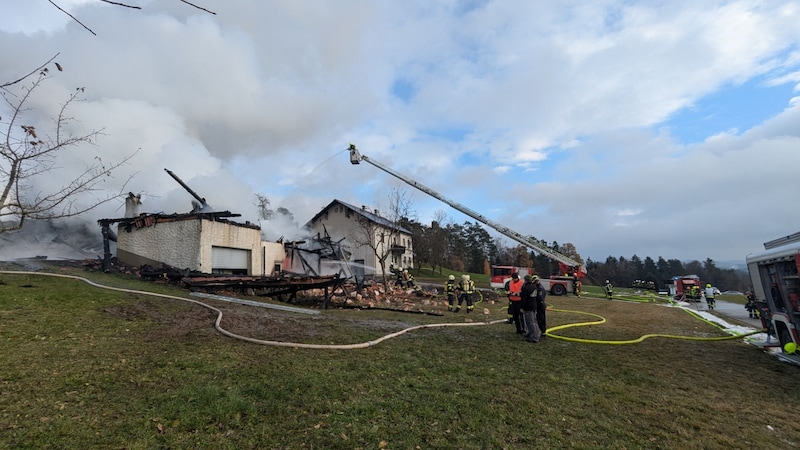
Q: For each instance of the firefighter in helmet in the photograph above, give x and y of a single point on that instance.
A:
(466, 288)
(409, 279)
(450, 291)
(399, 276)
(709, 291)
(609, 290)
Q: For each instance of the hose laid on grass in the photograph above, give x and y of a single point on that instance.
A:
(225, 332)
(602, 320)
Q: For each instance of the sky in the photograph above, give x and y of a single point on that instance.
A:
(626, 128)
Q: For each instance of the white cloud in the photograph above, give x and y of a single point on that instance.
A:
(549, 115)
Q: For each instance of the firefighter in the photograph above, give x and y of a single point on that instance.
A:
(541, 306)
(695, 292)
(751, 306)
(399, 274)
(609, 290)
(513, 288)
(709, 291)
(465, 289)
(450, 290)
(528, 302)
(409, 279)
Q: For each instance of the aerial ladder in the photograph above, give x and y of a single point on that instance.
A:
(576, 268)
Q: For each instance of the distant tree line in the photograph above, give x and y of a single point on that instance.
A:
(468, 247)
(625, 271)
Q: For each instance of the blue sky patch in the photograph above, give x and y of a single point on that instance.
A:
(730, 108)
(404, 90)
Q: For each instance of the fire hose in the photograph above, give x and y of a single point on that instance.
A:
(549, 332)
(218, 321)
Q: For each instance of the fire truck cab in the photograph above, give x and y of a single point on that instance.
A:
(776, 285)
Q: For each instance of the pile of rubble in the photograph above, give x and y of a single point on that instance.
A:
(375, 295)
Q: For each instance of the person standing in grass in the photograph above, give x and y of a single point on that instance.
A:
(465, 289)
(513, 288)
(528, 294)
(609, 290)
(450, 291)
(541, 306)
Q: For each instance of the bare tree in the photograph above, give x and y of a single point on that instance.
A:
(381, 232)
(438, 239)
(26, 153)
(265, 212)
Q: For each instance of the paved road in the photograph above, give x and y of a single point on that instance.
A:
(736, 311)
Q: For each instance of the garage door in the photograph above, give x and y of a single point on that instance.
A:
(223, 258)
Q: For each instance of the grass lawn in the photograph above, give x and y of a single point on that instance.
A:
(84, 367)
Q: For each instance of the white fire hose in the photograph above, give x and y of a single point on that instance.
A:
(254, 340)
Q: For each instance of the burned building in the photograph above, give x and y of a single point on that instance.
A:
(203, 240)
(363, 230)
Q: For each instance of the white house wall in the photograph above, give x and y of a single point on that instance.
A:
(274, 256)
(222, 234)
(187, 244)
(339, 226)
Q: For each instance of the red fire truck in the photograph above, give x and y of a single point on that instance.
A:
(687, 287)
(776, 285)
(556, 285)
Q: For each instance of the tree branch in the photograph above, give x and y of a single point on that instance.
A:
(124, 5)
(199, 7)
(32, 72)
(73, 17)
(120, 4)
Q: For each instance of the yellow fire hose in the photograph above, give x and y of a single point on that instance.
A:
(550, 331)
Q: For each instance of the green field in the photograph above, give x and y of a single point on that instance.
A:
(85, 367)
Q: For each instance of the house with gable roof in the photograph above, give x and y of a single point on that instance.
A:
(362, 229)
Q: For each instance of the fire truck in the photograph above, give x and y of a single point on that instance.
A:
(687, 287)
(555, 285)
(776, 285)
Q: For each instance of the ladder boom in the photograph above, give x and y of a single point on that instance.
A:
(356, 158)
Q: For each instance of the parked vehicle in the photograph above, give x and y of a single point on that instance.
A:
(686, 287)
(776, 285)
(556, 285)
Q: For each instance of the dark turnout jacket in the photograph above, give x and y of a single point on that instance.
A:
(528, 294)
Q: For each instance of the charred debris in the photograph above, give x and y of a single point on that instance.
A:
(304, 283)
(280, 284)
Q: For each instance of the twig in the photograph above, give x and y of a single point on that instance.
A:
(73, 17)
(199, 7)
(121, 4)
(32, 72)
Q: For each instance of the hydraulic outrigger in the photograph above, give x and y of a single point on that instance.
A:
(575, 266)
